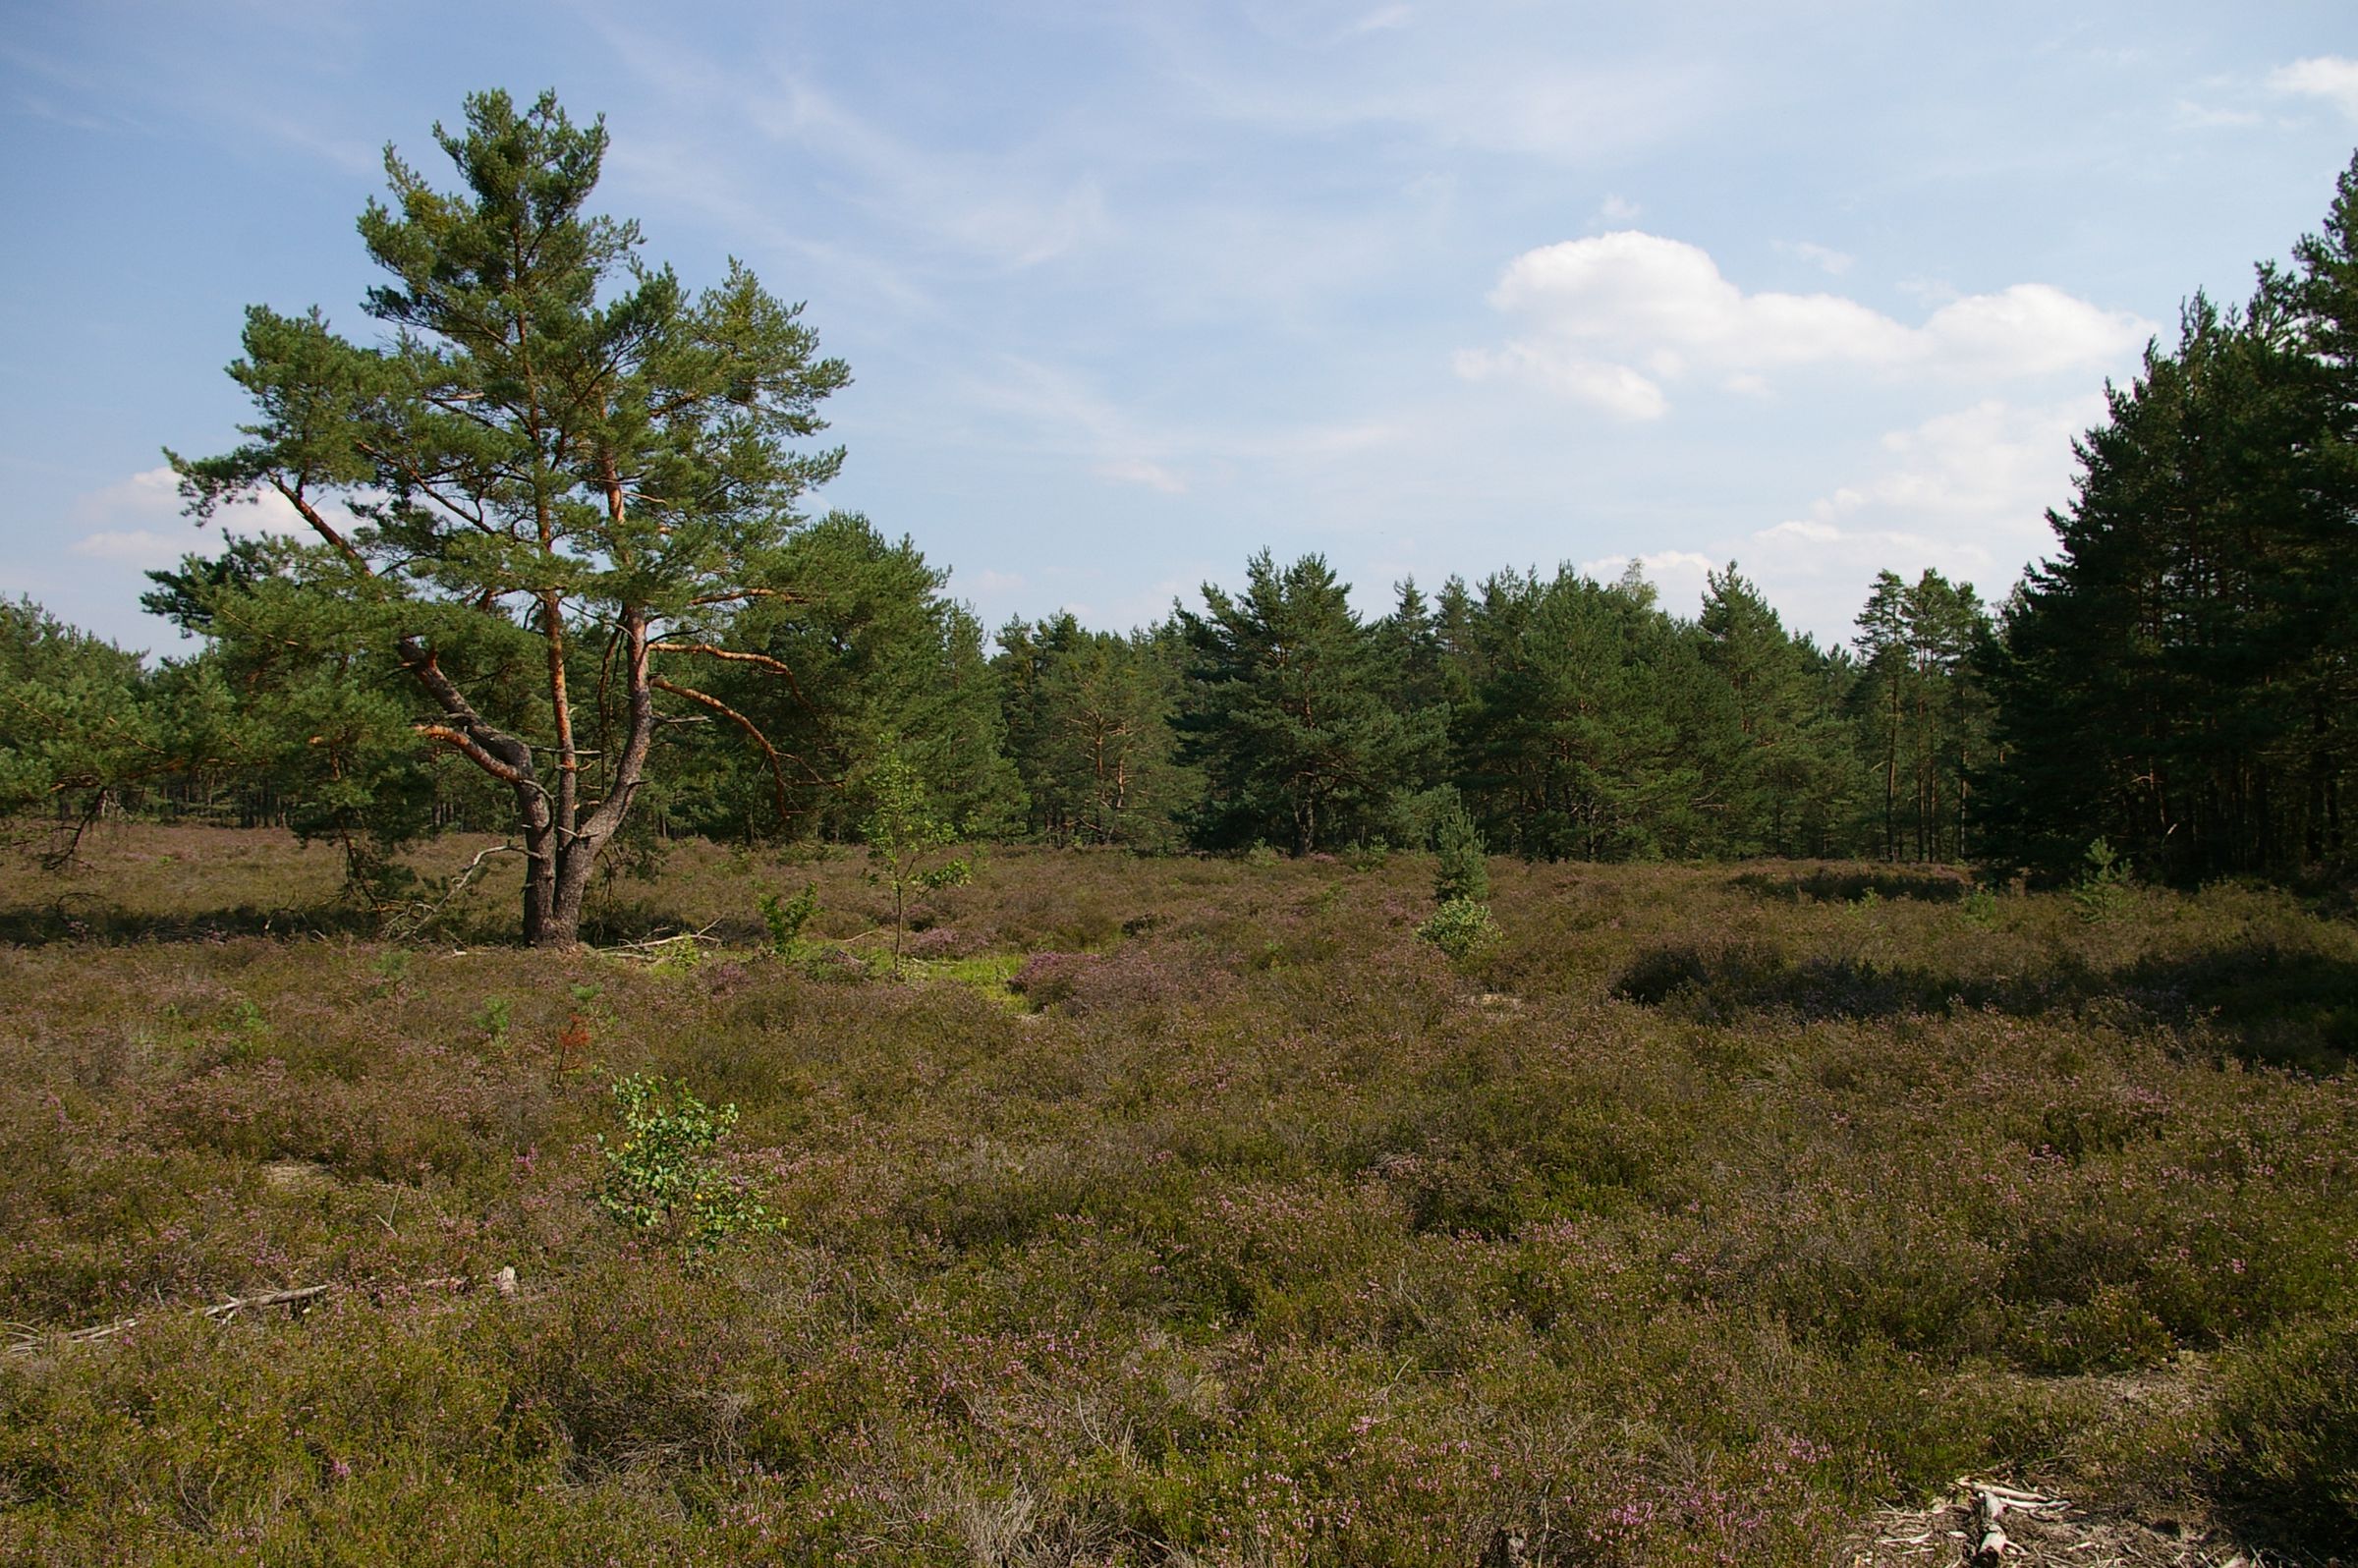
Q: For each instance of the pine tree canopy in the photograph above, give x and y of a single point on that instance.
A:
(541, 496)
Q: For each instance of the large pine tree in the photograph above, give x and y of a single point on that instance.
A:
(567, 471)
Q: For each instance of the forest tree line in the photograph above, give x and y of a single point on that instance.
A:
(569, 599)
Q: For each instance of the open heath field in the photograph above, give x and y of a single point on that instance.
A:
(1166, 1211)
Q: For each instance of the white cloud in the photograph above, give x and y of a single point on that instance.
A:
(999, 206)
(2328, 77)
(1824, 258)
(1613, 388)
(2193, 116)
(1677, 575)
(137, 521)
(1617, 210)
(1058, 412)
(992, 206)
(1965, 493)
(1446, 86)
(1614, 316)
(140, 547)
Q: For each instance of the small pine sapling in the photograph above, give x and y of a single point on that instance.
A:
(1461, 926)
(1463, 869)
(2102, 890)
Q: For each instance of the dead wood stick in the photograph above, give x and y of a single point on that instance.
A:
(28, 1340)
(225, 1311)
(1987, 1507)
(2012, 1495)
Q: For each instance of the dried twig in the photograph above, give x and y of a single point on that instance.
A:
(296, 1300)
(27, 1339)
(654, 949)
(1991, 1503)
(417, 915)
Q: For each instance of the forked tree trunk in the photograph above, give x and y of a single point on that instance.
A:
(557, 884)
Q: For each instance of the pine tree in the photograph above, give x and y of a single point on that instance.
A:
(1594, 729)
(1286, 715)
(860, 640)
(2174, 681)
(79, 722)
(1088, 723)
(567, 474)
(1922, 710)
(1782, 795)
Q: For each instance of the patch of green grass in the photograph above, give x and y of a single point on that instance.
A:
(986, 973)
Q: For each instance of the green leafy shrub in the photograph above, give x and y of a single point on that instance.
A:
(1462, 928)
(662, 1176)
(902, 834)
(786, 917)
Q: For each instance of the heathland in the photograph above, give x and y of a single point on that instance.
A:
(1174, 1209)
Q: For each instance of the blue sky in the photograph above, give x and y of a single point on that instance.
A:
(1131, 291)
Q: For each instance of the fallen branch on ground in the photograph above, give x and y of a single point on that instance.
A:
(1991, 1503)
(27, 1339)
(654, 949)
(296, 1300)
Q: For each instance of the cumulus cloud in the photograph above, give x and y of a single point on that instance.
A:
(1615, 388)
(1965, 493)
(2326, 76)
(1678, 573)
(140, 547)
(1613, 318)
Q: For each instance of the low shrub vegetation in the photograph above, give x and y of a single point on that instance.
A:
(1721, 1209)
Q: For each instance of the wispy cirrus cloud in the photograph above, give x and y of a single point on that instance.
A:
(1009, 209)
(2329, 77)
(1826, 258)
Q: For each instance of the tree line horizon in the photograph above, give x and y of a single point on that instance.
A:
(567, 597)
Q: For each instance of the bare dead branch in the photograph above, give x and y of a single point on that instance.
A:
(777, 770)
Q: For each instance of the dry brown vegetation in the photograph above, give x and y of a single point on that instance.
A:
(1711, 1212)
